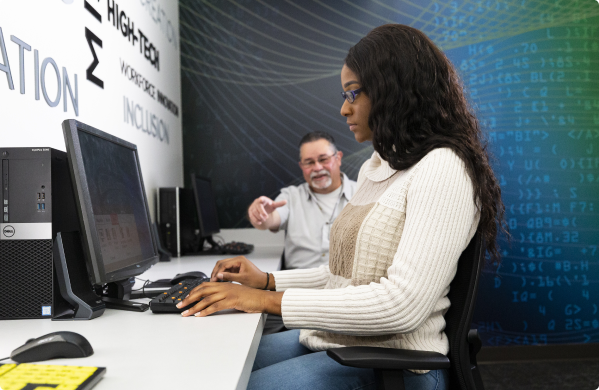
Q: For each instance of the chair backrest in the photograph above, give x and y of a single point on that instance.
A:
(462, 295)
(282, 266)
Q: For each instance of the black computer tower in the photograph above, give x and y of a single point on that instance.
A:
(177, 220)
(37, 202)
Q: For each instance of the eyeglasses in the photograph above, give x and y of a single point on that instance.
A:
(350, 96)
(324, 160)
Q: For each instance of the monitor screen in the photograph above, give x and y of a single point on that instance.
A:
(112, 203)
(205, 205)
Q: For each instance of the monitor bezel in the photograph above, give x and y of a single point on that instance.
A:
(203, 232)
(91, 241)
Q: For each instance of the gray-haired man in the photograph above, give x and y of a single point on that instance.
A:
(306, 212)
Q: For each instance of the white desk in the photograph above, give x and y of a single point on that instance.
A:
(215, 352)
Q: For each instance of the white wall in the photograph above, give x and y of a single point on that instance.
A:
(56, 29)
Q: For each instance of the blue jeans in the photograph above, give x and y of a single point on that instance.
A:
(282, 363)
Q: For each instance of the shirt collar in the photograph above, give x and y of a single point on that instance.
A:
(378, 169)
(344, 188)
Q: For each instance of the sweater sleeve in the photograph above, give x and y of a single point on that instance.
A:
(441, 217)
(315, 278)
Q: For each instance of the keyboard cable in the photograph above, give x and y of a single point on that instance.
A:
(143, 288)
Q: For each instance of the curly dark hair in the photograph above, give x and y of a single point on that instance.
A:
(417, 105)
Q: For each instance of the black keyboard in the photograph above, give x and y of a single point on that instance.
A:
(236, 248)
(167, 302)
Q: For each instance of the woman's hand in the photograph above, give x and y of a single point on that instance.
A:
(239, 269)
(222, 296)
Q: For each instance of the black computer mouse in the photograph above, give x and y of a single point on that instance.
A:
(187, 275)
(53, 346)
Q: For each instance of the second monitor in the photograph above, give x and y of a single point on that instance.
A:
(205, 210)
(188, 219)
(208, 220)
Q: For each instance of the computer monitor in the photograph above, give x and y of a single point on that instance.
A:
(205, 207)
(116, 231)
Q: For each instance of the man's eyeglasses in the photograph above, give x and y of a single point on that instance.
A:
(350, 96)
(323, 160)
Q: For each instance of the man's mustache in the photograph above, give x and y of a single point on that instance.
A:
(321, 172)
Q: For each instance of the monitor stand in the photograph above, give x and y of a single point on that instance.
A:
(74, 297)
(213, 250)
(116, 295)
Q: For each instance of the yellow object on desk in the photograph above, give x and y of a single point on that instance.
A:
(28, 376)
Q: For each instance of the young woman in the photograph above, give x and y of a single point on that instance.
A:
(394, 248)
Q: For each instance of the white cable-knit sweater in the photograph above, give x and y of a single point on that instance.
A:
(394, 251)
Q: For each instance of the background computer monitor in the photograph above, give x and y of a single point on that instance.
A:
(205, 205)
(111, 202)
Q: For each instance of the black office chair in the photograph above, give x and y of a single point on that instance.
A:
(464, 343)
(282, 266)
(274, 323)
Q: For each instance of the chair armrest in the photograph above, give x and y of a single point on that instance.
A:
(474, 341)
(474, 346)
(388, 358)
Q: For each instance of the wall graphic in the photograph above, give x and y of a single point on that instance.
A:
(112, 64)
(257, 75)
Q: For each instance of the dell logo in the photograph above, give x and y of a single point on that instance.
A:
(8, 231)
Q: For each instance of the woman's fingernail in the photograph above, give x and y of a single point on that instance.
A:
(179, 305)
(185, 312)
(198, 314)
(220, 276)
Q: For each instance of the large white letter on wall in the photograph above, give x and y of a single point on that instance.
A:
(113, 64)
